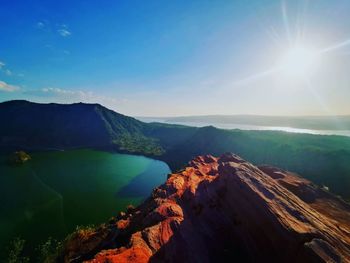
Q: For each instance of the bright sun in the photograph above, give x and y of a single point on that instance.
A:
(299, 61)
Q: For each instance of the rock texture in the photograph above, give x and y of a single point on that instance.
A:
(224, 210)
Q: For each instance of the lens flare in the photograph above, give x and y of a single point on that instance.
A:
(299, 61)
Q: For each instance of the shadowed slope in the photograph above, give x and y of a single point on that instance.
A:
(64, 126)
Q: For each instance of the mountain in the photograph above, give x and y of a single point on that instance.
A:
(28, 126)
(59, 126)
(223, 210)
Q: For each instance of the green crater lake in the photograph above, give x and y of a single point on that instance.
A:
(56, 191)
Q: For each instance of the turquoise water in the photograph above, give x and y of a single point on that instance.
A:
(56, 191)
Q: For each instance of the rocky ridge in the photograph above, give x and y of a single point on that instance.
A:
(223, 210)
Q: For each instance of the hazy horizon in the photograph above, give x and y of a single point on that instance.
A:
(242, 114)
(157, 59)
(180, 116)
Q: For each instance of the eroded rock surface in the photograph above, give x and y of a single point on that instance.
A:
(225, 210)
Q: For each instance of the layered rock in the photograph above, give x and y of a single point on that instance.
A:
(224, 210)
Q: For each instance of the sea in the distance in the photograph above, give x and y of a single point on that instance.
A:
(56, 191)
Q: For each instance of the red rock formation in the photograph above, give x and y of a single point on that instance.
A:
(228, 210)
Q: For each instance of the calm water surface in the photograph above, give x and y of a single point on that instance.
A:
(56, 191)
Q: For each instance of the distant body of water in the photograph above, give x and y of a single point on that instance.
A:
(55, 191)
(253, 127)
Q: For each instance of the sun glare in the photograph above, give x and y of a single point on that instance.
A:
(299, 61)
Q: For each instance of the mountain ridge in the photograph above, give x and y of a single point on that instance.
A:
(70, 125)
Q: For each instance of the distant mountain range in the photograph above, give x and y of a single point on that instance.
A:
(32, 126)
(300, 122)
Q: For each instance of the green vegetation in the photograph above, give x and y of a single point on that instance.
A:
(18, 158)
(15, 252)
(138, 144)
(48, 251)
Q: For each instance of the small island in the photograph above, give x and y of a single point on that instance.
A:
(18, 158)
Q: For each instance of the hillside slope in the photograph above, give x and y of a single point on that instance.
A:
(223, 210)
(58, 126)
(31, 126)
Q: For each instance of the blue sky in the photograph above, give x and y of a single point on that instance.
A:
(162, 58)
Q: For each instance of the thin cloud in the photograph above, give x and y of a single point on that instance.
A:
(49, 27)
(4, 69)
(64, 32)
(7, 87)
(44, 26)
(40, 25)
(71, 96)
(65, 92)
(8, 72)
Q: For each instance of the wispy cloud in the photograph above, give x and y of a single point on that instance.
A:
(8, 72)
(44, 25)
(7, 87)
(63, 31)
(48, 27)
(4, 69)
(40, 25)
(70, 96)
(65, 92)
(59, 95)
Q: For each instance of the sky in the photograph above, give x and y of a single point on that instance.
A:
(175, 58)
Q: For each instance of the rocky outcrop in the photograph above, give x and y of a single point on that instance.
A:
(225, 210)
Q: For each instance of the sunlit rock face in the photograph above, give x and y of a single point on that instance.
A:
(225, 210)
